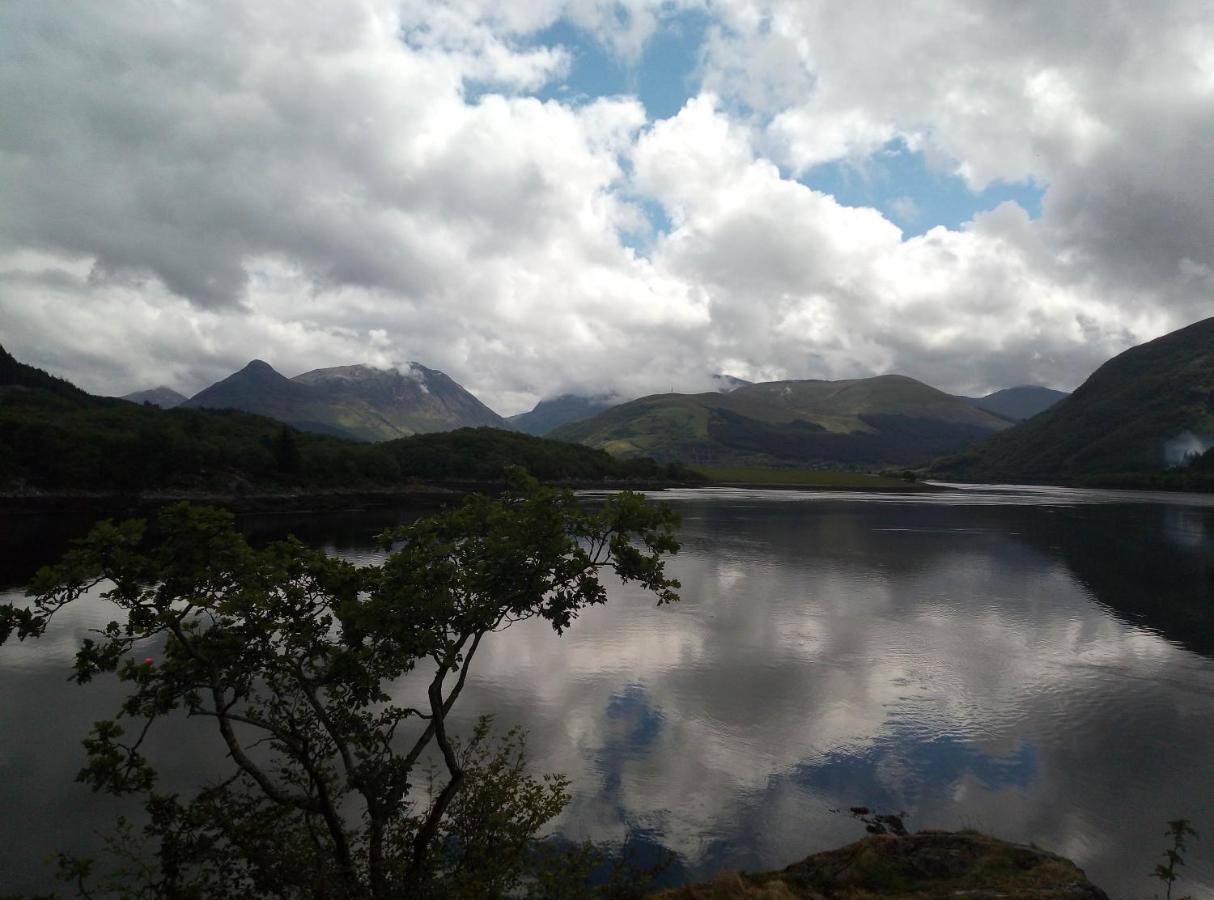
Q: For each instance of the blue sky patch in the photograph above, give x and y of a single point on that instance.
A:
(927, 766)
(898, 182)
(663, 79)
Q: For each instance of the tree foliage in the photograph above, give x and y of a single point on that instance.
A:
(338, 787)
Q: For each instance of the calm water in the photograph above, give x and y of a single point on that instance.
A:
(1033, 663)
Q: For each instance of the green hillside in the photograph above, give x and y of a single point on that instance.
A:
(1137, 414)
(885, 420)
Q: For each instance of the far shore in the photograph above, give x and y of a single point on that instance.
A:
(898, 487)
(264, 500)
(269, 500)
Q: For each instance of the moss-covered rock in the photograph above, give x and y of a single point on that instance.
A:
(930, 864)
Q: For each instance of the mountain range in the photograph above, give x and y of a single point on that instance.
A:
(359, 402)
(1013, 404)
(1140, 419)
(888, 419)
(376, 404)
(875, 421)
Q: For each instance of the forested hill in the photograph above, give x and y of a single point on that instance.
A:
(55, 437)
(14, 374)
(1140, 414)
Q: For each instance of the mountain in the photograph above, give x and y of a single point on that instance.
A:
(885, 420)
(1018, 403)
(549, 414)
(164, 397)
(1142, 411)
(358, 402)
(417, 400)
(258, 388)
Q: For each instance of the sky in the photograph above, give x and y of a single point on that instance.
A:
(550, 196)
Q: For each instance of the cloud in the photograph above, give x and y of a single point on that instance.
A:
(1108, 104)
(323, 184)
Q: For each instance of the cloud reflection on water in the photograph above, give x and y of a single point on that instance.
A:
(828, 656)
(976, 664)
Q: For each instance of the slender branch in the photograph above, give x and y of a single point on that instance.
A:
(268, 787)
(426, 833)
(336, 734)
(444, 666)
(328, 812)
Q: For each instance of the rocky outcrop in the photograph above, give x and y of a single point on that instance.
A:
(930, 864)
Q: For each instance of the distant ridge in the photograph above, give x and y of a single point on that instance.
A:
(550, 414)
(889, 419)
(164, 397)
(1018, 403)
(359, 401)
(1144, 410)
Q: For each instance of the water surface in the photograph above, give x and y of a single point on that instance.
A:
(1035, 663)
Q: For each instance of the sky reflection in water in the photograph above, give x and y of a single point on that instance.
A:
(1031, 663)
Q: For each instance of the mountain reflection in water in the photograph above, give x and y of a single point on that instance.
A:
(1033, 663)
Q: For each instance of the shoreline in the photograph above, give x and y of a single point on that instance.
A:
(908, 488)
(269, 502)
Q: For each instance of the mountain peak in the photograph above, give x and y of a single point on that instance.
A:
(360, 401)
(354, 373)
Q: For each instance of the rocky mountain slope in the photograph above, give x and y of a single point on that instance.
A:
(359, 402)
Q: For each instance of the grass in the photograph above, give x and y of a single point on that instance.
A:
(797, 477)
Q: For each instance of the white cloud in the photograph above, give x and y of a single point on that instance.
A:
(328, 184)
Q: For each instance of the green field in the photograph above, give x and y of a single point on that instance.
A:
(777, 477)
